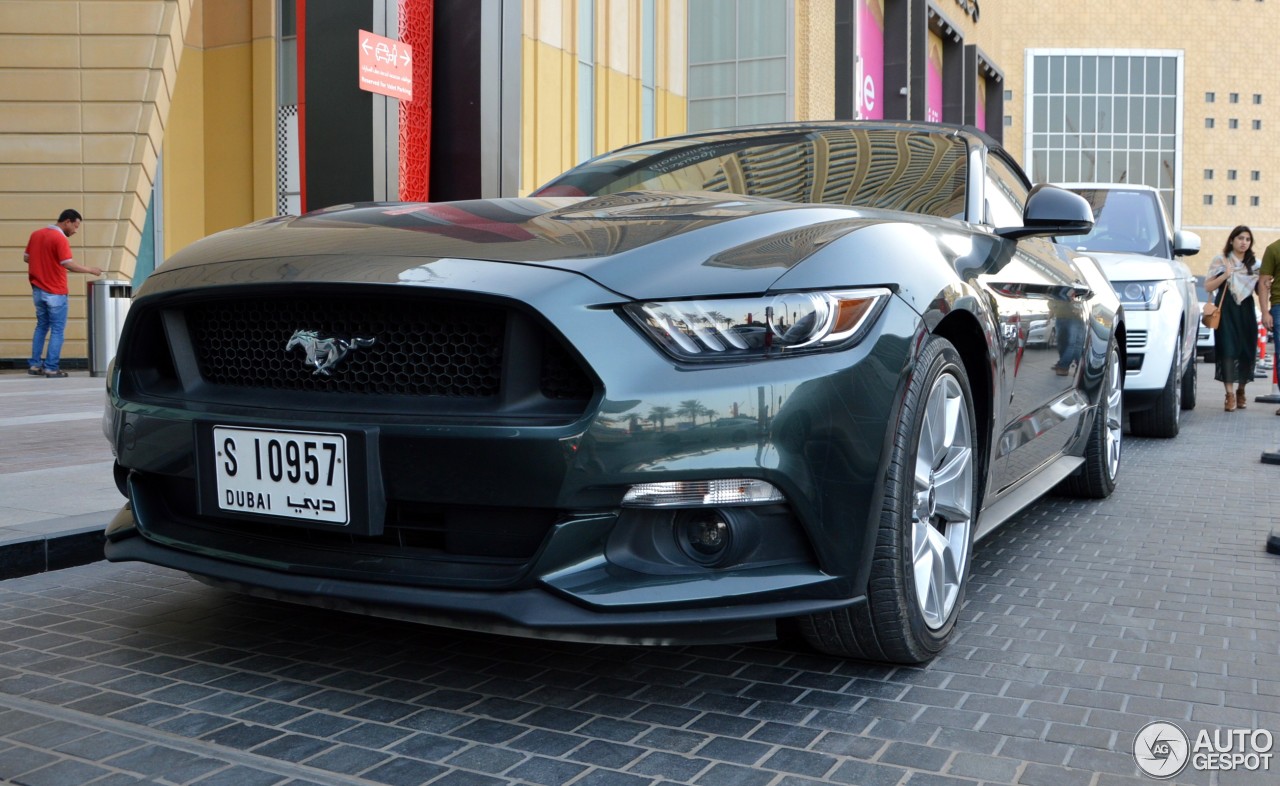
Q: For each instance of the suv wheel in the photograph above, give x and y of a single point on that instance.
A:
(1162, 419)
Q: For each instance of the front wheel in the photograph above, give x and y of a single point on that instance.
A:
(1097, 478)
(920, 565)
(1189, 385)
(1162, 419)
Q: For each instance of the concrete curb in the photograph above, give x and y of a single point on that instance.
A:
(79, 541)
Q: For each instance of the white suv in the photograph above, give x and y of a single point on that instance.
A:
(1132, 242)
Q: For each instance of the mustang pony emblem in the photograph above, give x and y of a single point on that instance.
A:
(325, 352)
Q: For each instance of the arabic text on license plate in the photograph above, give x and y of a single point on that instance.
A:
(291, 474)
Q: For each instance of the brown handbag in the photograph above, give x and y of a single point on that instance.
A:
(1211, 314)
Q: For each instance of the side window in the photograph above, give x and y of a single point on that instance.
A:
(1006, 194)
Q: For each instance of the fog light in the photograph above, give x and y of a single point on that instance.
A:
(687, 493)
(705, 536)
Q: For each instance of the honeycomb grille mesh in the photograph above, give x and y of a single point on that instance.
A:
(419, 348)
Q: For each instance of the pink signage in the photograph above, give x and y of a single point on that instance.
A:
(386, 66)
(871, 59)
(933, 80)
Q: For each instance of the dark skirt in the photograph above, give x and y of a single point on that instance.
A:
(1235, 342)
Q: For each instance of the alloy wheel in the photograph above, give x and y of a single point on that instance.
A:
(942, 510)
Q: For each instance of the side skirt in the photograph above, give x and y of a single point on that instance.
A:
(1029, 491)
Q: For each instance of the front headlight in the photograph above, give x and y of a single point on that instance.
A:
(1142, 295)
(758, 327)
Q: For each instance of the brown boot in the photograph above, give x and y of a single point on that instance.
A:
(1230, 404)
(1241, 399)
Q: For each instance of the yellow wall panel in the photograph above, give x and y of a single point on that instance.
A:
(263, 83)
(549, 138)
(227, 22)
(121, 16)
(30, 117)
(47, 51)
(42, 177)
(118, 51)
(228, 138)
(56, 17)
(617, 110)
(111, 118)
(116, 84)
(184, 191)
(37, 84)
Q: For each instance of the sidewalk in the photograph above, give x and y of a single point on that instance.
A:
(56, 488)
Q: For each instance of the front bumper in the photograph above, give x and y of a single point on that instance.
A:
(1152, 342)
(524, 513)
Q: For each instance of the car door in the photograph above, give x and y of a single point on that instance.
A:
(1039, 382)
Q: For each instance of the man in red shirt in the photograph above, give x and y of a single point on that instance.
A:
(48, 259)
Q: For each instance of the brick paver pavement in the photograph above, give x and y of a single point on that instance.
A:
(1084, 621)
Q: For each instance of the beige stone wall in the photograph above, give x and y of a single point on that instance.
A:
(85, 91)
(1223, 44)
(815, 96)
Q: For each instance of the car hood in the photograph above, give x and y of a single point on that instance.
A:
(638, 244)
(1134, 267)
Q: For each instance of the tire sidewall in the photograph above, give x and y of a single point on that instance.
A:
(941, 358)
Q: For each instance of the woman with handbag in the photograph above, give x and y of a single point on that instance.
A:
(1233, 277)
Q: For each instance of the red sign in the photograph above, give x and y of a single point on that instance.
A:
(386, 66)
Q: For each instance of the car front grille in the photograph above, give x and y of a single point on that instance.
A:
(408, 352)
(438, 350)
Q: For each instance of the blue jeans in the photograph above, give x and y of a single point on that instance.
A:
(51, 321)
(1070, 340)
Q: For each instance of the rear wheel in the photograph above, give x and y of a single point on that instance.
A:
(921, 561)
(1097, 478)
(1162, 419)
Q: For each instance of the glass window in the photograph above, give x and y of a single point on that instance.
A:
(1109, 116)
(1254, 201)
(1233, 123)
(740, 62)
(1208, 122)
(1257, 98)
(1209, 98)
(1257, 125)
(1234, 98)
(909, 171)
(1208, 174)
(1231, 174)
(1231, 200)
(1255, 175)
(1208, 199)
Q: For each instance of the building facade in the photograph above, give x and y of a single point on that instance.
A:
(164, 121)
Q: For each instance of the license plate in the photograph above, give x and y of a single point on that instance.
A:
(299, 475)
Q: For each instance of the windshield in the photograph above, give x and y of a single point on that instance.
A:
(915, 172)
(1125, 220)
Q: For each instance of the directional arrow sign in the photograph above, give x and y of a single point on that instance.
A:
(385, 66)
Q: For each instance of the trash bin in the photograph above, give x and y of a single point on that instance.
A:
(108, 303)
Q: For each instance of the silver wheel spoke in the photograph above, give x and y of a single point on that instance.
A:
(942, 501)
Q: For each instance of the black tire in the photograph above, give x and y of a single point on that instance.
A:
(1161, 421)
(1189, 380)
(901, 623)
(1097, 478)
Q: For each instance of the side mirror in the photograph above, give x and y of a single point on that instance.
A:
(1185, 243)
(1051, 211)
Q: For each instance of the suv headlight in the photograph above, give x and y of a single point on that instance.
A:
(1142, 295)
(745, 328)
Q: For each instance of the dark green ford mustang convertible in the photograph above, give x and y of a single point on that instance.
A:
(685, 391)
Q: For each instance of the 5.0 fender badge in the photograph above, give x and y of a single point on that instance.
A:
(325, 352)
